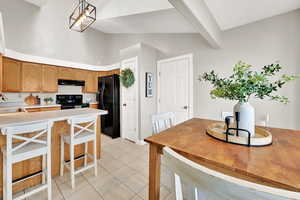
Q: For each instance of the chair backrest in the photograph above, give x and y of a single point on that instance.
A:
(81, 124)
(162, 121)
(209, 184)
(27, 133)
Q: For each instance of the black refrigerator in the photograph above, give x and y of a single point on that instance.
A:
(109, 99)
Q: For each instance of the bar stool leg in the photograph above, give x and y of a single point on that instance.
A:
(85, 153)
(62, 156)
(4, 178)
(8, 169)
(8, 179)
(43, 169)
(49, 178)
(72, 166)
(95, 155)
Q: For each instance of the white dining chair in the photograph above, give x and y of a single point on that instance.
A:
(206, 184)
(162, 121)
(24, 142)
(83, 130)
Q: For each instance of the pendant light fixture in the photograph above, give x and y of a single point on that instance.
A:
(83, 16)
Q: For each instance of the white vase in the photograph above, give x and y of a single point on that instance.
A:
(247, 118)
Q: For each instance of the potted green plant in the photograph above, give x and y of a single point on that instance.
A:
(48, 100)
(244, 84)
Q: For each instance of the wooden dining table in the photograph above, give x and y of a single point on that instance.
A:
(276, 165)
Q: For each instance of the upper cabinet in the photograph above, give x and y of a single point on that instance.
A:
(19, 76)
(107, 73)
(31, 77)
(79, 74)
(49, 79)
(66, 73)
(91, 82)
(116, 71)
(1, 69)
(12, 75)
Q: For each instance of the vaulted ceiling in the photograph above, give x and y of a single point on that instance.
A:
(207, 17)
(233, 13)
(151, 16)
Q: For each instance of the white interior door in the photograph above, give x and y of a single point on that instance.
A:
(175, 87)
(129, 105)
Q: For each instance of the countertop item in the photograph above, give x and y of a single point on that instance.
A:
(57, 115)
(277, 165)
(31, 100)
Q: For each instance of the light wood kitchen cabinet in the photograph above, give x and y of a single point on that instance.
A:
(94, 105)
(12, 75)
(49, 79)
(102, 73)
(31, 77)
(66, 73)
(107, 73)
(115, 71)
(80, 74)
(19, 76)
(1, 67)
(91, 82)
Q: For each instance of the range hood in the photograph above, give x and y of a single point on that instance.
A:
(70, 82)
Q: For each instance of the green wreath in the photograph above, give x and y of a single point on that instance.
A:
(127, 77)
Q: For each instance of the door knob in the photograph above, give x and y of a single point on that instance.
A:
(124, 104)
(185, 107)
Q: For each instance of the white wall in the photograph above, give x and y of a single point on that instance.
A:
(147, 57)
(259, 43)
(44, 32)
(148, 107)
(2, 39)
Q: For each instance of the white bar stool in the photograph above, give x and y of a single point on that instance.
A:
(80, 134)
(37, 142)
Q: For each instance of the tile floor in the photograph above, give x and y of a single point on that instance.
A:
(122, 175)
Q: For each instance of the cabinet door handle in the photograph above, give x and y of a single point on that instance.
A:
(124, 104)
(185, 107)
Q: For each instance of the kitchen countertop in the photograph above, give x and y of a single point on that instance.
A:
(13, 119)
(28, 106)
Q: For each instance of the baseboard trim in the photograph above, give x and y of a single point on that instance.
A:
(141, 142)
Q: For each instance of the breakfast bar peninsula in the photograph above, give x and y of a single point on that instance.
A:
(28, 173)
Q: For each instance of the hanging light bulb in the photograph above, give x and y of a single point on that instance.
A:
(83, 16)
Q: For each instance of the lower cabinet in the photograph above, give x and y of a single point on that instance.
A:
(95, 106)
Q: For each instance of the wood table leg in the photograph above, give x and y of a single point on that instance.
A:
(154, 172)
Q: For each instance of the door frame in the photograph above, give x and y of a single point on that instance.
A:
(190, 57)
(133, 59)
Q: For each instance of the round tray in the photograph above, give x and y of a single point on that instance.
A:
(262, 137)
